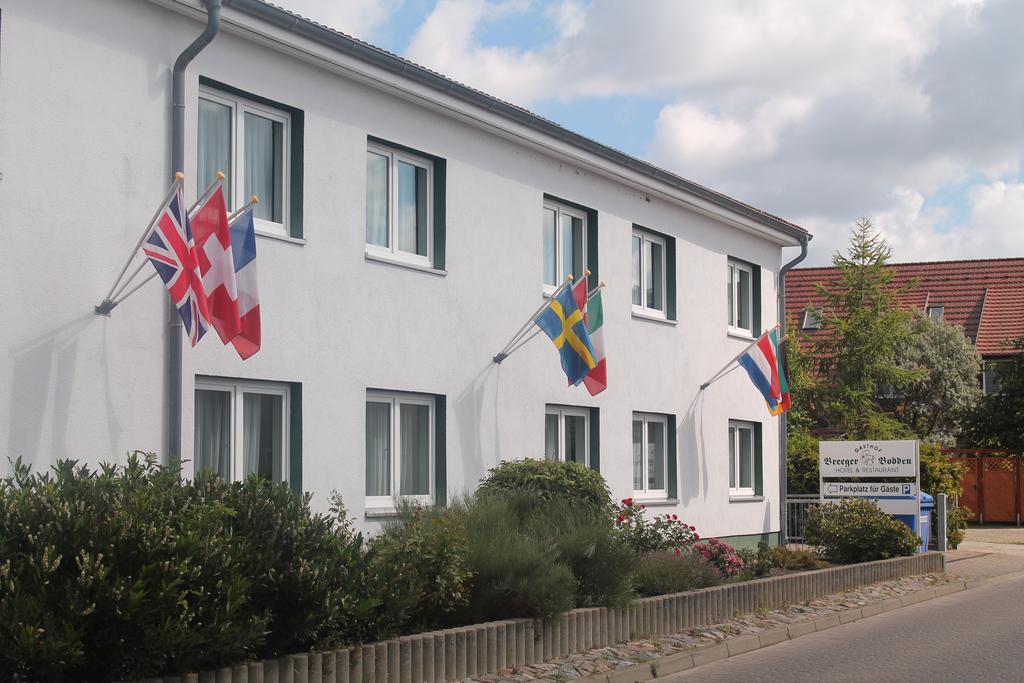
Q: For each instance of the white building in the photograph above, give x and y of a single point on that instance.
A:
(376, 372)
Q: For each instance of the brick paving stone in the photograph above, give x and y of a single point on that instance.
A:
(622, 655)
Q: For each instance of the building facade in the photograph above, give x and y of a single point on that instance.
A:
(407, 227)
(984, 297)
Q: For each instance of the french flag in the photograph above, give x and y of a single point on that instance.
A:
(243, 250)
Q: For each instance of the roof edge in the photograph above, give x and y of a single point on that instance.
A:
(378, 57)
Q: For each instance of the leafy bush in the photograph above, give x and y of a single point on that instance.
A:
(418, 569)
(550, 480)
(858, 531)
(760, 562)
(535, 557)
(643, 535)
(802, 462)
(722, 555)
(669, 571)
(128, 572)
(797, 560)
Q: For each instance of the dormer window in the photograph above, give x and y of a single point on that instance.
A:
(936, 312)
(812, 319)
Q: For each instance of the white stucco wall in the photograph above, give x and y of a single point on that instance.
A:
(84, 134)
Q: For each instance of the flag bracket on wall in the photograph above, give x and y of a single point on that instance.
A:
(207, 261)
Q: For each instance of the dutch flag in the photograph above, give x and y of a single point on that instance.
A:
(762, 363)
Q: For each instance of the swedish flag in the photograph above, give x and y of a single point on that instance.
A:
(563, 322)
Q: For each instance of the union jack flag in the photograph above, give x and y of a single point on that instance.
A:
(171, 250)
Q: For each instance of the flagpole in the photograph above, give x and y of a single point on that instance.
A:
(104, 307)
(128, 281)
(254, 200)
(503, 354)
(134, 289)
(217, 180)
(721, 373)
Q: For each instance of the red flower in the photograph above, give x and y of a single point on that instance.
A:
(628, 502)
(696, 537)
(643, 507)
(678, 552)
(675, 516)
(622, 518)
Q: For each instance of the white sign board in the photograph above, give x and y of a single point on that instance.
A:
(895, 498)
(878, 459)
(871, 460)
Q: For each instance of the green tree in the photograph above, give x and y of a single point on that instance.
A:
(862, 326)
(931, 407)
(997, 421)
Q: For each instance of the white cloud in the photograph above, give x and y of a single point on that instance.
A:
(820, 112)
(357, 18)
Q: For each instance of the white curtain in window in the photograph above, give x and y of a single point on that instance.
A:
(656, 456)
(550, 248)
(551, 437)
(214, 145)
(376, 199)
(252, 424)
(412, 209)
(213, 432)
(638, 455)
(415, 460)
(378, 449)
(575, 439)
(263, 165)
(637, 274)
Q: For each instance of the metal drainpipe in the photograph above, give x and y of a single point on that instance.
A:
(783, 468)
(174, 330)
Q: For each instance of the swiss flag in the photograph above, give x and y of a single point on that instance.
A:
(216, 264)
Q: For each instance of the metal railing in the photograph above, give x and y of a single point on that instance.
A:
(797, 506)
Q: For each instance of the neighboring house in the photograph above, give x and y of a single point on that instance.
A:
(985, 297)
(408, 226)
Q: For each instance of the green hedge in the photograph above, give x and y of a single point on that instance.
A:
(857, 530)
(124, 573)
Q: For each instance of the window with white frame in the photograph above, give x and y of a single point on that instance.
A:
(936, 312)
(741, 458)
(567, 434)
(812, 319)
(741, 297)
(249, 142)
(990, 378)
(650, 455)
(649, 274)
(565, 232)
(399, 196)
(399, 448)
(242, 428)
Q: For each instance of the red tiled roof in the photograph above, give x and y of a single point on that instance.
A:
(984, 297)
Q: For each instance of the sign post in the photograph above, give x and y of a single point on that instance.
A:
(873, 460)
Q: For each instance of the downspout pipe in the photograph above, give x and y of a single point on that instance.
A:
(174, 331)
(783, 424)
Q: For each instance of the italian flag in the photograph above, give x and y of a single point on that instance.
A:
(596, 380)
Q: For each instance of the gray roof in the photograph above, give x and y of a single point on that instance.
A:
(346, 44)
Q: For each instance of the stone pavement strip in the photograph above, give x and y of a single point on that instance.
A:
(643, 660)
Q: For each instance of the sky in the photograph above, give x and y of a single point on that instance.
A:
(906, 112)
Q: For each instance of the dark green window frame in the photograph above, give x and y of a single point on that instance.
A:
(296, 149)
(438, 196)
(670, 268)
(591, 235)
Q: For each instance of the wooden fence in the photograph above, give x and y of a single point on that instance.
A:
(992, 487)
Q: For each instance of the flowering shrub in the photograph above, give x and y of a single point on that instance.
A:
(721, 555)
(643, 535)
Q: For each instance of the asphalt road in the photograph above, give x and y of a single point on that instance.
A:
(975, 635)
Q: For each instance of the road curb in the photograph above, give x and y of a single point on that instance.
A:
(742, 644)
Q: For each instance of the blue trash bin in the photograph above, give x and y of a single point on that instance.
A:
(924, 527)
